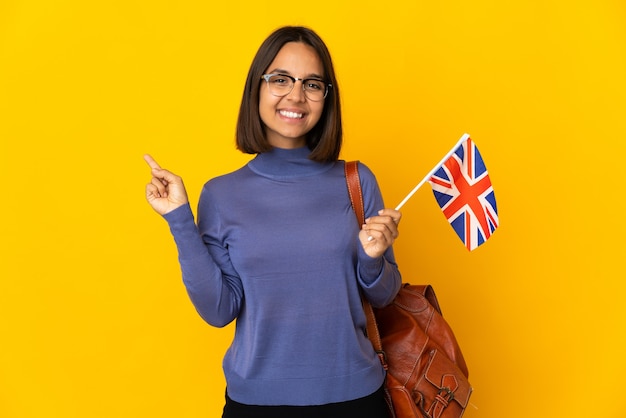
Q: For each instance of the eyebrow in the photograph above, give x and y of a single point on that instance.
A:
(283, 71)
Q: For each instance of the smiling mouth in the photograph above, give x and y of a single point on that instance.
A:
(291, 115)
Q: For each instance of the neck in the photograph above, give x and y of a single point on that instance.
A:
(287, 162)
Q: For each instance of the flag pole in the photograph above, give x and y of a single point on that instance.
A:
(430, 174)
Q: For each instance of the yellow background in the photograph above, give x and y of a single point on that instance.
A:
(94, 320)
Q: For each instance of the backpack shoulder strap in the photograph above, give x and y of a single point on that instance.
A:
(356, 198)
(354, 190)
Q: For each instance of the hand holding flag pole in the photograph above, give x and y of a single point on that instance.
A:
(463, 190)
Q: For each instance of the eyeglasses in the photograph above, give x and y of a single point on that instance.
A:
(281, 85)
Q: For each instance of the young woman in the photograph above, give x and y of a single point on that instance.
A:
(278, 249)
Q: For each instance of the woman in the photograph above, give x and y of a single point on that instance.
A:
(277, 248)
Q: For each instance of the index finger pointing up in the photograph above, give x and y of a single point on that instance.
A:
(151, 162)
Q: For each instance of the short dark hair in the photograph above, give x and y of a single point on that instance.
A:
(324, 140)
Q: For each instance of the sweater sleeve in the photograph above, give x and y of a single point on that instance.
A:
(215, 294)
(379, 277)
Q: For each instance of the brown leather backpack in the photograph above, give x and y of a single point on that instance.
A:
(426, 372)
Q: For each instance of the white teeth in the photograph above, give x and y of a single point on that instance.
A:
(292, 115)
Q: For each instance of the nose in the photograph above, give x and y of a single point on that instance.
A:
(297, 92)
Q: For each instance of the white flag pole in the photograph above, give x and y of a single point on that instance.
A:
(430, 174)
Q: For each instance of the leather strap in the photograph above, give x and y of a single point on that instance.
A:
(356, 198)
(354, 190)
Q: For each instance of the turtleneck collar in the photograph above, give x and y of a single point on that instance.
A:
(285, 163)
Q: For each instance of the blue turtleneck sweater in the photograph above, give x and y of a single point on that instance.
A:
(276, 248)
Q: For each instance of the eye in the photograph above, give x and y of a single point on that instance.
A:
(314, 84)
(279, 80)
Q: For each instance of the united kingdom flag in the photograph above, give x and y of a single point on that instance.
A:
(464, 192)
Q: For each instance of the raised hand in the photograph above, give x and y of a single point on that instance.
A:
(166, 191)
(380, 232)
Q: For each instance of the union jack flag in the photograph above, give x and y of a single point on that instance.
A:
(463, 190)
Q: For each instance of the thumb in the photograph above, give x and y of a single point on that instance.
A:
(166, 176)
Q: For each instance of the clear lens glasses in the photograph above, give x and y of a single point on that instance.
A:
(281, 85)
